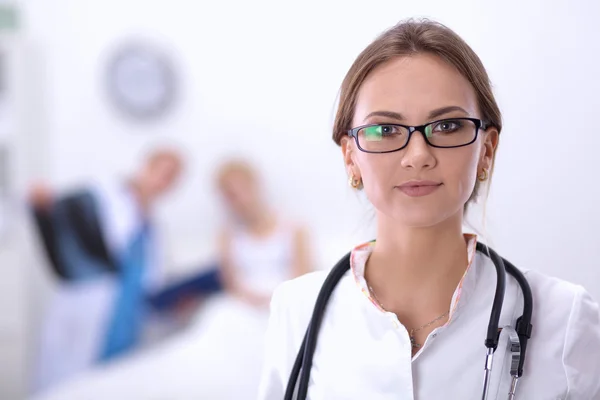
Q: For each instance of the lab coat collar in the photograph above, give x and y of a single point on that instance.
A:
(360, 255)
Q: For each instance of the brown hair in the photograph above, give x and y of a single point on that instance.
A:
(409, 38)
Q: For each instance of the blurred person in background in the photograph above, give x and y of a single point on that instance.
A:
(220, 355)
(259, 249)
(101, 243)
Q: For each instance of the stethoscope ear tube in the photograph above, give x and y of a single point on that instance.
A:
(523, 326)
(491, 340)
(310, 340)
(291, 385)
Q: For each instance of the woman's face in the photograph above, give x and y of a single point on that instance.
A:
(240, 194)
(414, 91)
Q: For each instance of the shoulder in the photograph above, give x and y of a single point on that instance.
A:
(292, 226)
(301, 292)
(560, 301)
(293, 302)
(566, 324)
(557, 289)
(77, 195)
(291, 308)
(549, 289)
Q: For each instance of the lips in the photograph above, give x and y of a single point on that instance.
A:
(417, 188)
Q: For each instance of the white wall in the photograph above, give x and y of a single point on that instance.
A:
(20, 99)
(261, 77)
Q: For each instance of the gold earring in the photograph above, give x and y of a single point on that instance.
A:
(483, 176)
(353, 182)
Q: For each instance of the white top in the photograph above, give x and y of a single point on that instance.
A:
(365, 353)
(263, 263)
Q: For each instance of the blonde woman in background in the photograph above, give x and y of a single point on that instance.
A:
(258, 248)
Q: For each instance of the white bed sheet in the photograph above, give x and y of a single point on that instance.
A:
(218, 357)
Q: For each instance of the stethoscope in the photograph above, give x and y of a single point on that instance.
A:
(518, 336)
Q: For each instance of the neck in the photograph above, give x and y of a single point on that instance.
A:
(417, 261)
(260, 222)
(142, 197)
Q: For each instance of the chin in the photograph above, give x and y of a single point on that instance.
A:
(425, 216)
(418, 221)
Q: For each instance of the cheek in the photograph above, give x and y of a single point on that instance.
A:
(164, 181)
(460, 174)
(242, 197)
(378, 172)
(230, 196)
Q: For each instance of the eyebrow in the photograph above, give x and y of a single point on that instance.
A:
(432, 114)
(387, 114)
(438, 112)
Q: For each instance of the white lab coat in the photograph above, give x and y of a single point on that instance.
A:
(365, 353)
(76, 320)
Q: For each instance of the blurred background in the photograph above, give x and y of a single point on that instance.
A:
(217, 117)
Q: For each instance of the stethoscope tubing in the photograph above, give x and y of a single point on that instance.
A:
(303, 362)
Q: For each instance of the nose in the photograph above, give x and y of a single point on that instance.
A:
(417, 153)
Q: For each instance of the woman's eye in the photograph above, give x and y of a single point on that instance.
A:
(388, 129)
(447, 126)
(377, 132)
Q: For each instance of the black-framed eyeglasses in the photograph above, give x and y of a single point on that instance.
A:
(443, 133)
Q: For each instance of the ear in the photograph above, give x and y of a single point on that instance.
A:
(488, 148)
(348, 149)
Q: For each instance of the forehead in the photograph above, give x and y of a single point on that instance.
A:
(165, 162)
(235, 178)
(413, 86)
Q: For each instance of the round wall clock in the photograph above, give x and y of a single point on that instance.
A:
(141, 81)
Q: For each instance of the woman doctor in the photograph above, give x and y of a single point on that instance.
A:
(409, 319)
